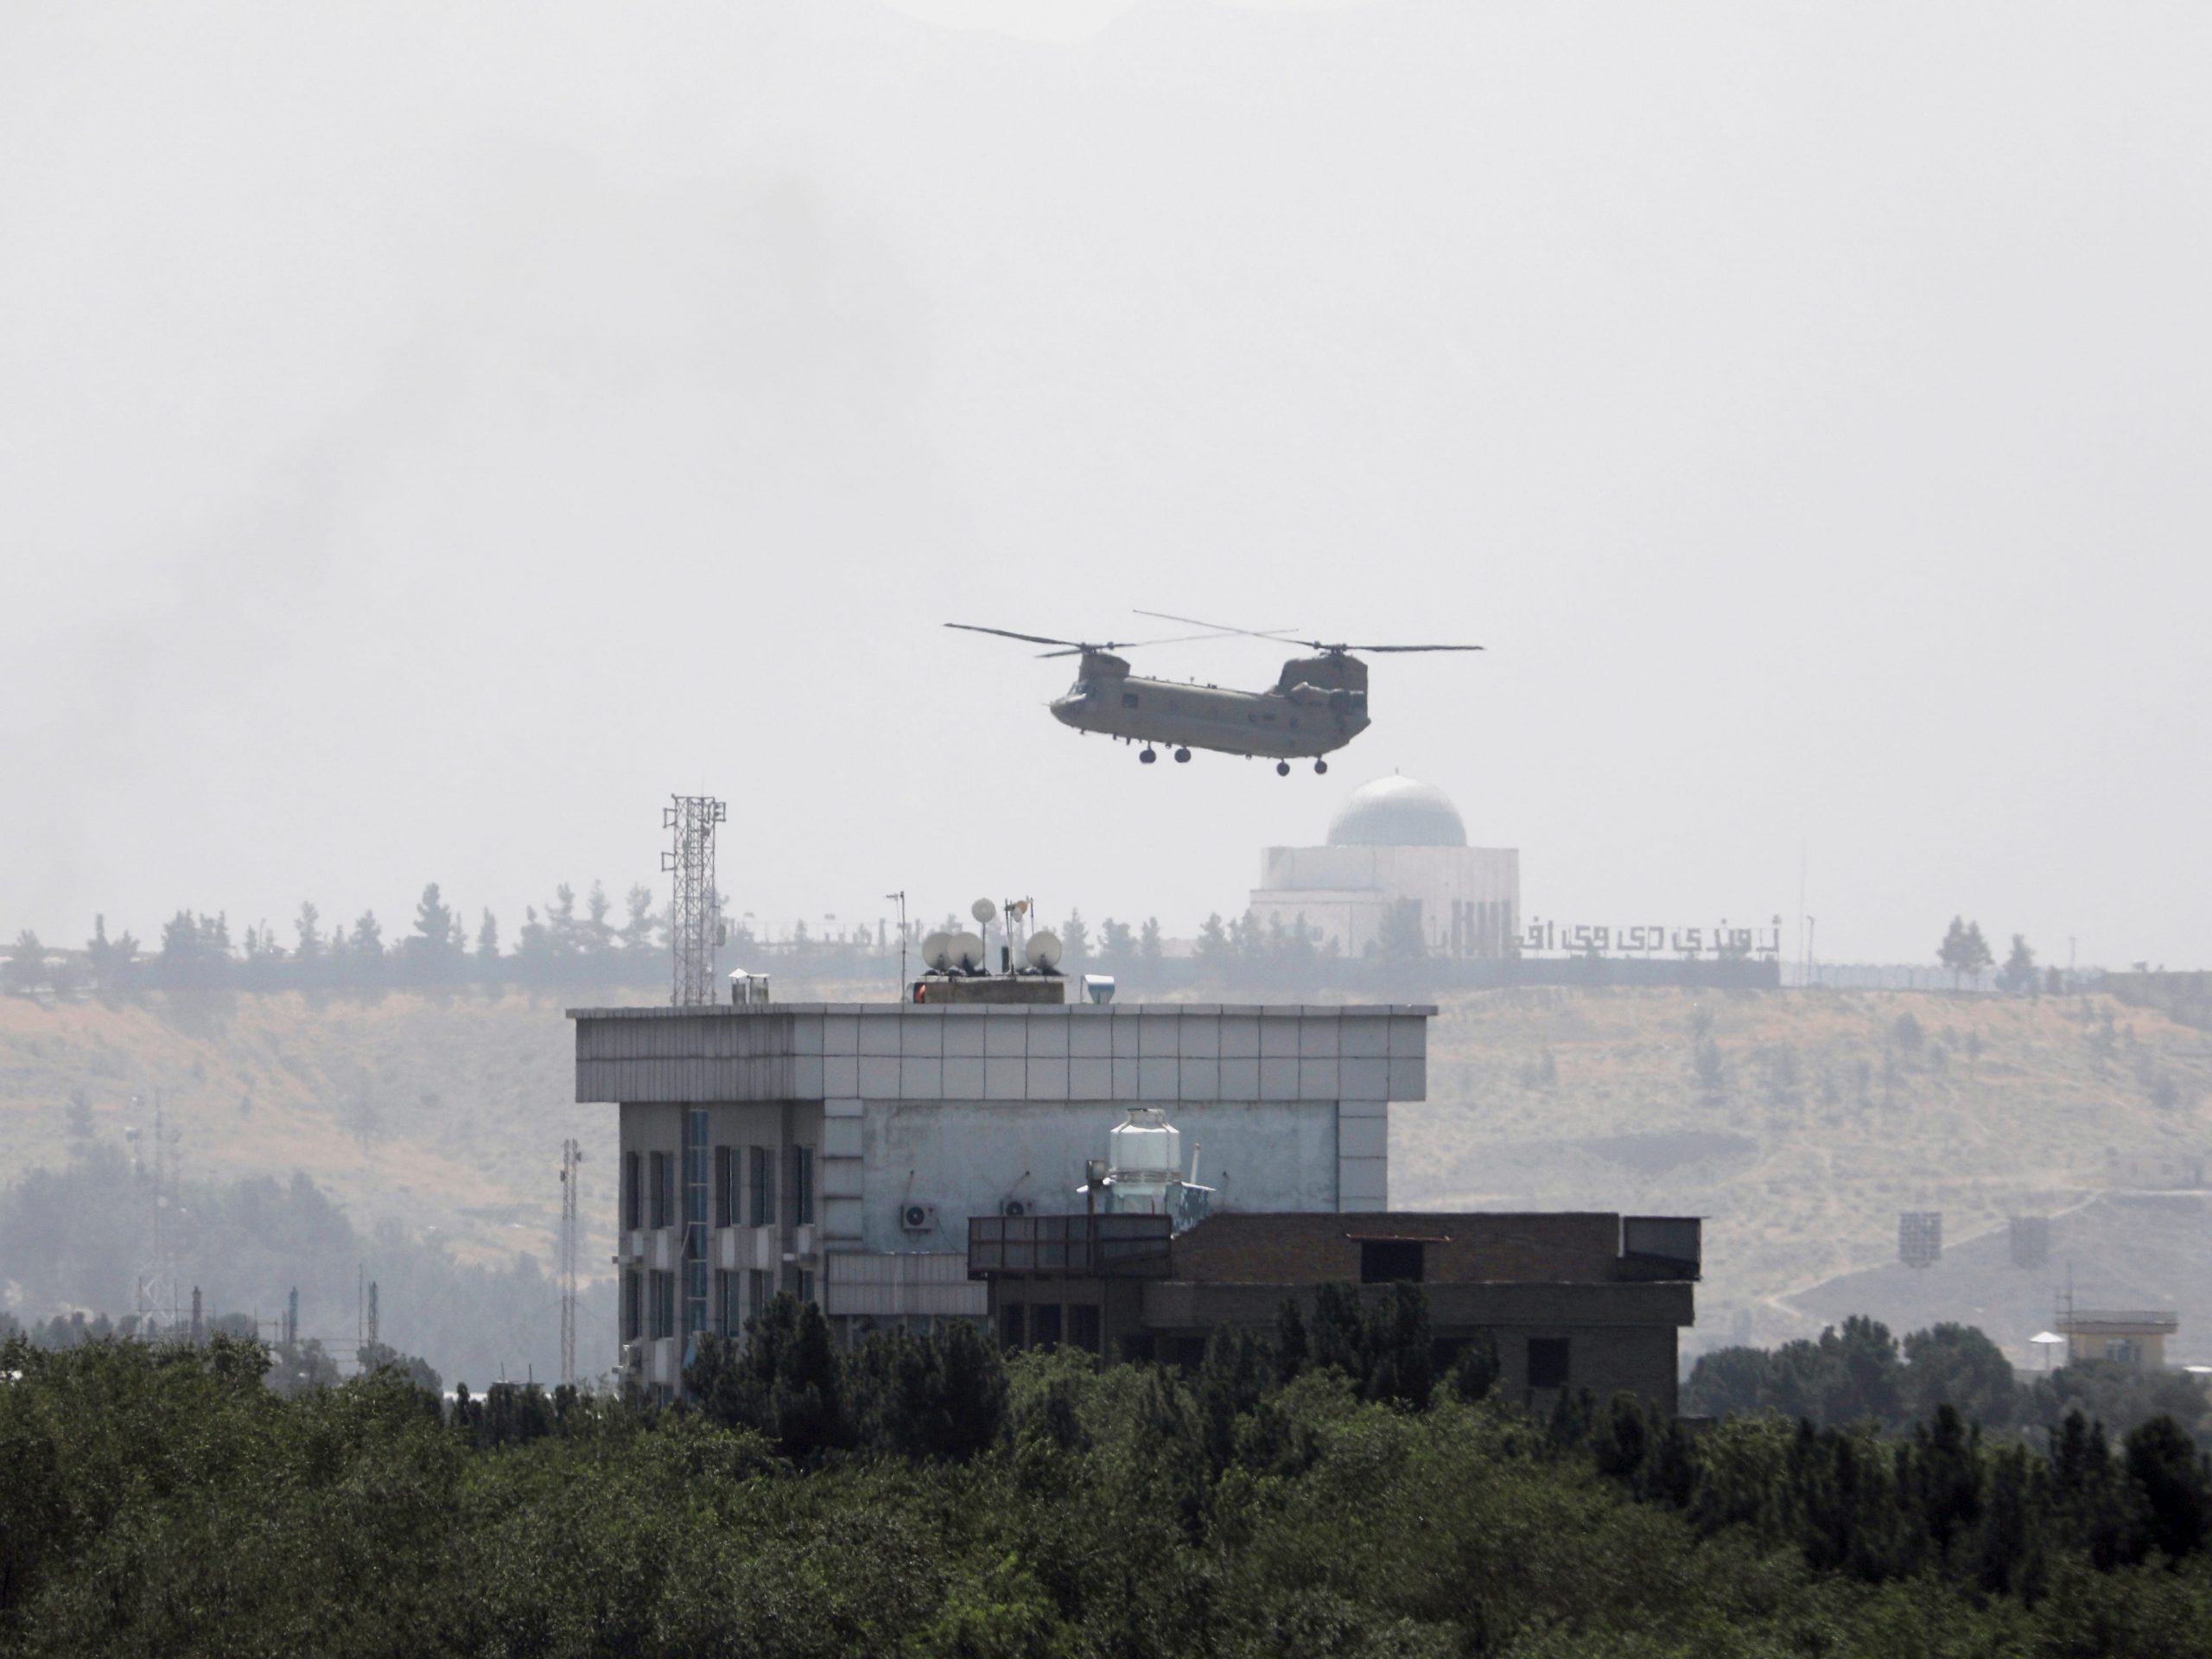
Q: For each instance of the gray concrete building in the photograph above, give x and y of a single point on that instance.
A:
(838, 1151)
(1572, 1301)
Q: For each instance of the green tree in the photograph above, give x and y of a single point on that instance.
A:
(640, 927)
(383, 1356)
(1075, 943)
(429, 950)
(598, 933)
(1399, 938)
(27, 962)
(1116, 944)
(1149, 943)
(1956, 1366)
(1964, 952)
(2019, 972)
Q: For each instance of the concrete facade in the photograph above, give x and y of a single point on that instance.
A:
(1593, 1291)
(885, 1126)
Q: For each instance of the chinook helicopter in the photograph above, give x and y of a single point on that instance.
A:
(1317, 705)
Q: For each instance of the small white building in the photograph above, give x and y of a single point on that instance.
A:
(838, 1151)
(1396, 840)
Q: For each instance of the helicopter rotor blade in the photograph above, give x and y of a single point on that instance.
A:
(1280, 635)
(1399, 647)
(1129, 645)
(1008, 634)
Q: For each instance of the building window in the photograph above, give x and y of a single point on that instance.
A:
(1083, 1325)
(756, 1299)
(1389, 1260)
(663, 1203)
(802, 1186)
(696, 1170)
(728, 1314)
(632, 1304)
(725, 1187)
(1547, 1361)
(803, 1285)
(764, 1186)
(1011, 1322)
(632, 1180)
(663, 1294)
(1044, 1324)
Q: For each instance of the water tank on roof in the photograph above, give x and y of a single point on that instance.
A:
(1147, 1150)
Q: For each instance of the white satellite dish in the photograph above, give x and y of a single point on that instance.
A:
(936, 952)
(1043, 949)
(967, 951)
(983, 910)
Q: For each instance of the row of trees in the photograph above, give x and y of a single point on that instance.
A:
(1966, 953)
(1859, 1373)
(937, 1497)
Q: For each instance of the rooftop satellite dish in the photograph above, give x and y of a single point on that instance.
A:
(936, 952)
(967, 952)
(1043, 949)
(982, 910)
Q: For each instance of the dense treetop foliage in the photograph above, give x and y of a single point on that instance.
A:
(1313, 1494)
(1858, 1373)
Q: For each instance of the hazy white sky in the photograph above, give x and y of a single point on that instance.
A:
(432, 435)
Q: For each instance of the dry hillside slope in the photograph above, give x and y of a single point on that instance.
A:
(1800, 1123)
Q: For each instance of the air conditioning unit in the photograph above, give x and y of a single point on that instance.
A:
(916, 1217)
(1014, 1208)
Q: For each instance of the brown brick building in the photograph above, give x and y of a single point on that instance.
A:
(1572, 1300)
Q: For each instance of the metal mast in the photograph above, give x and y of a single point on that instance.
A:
(157, 1268)
(571, 1155)
(695, 906)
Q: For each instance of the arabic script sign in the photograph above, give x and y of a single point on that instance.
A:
(1543, 938)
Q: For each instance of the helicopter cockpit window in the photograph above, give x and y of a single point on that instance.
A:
(1128, 699)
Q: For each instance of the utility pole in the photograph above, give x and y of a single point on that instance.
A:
(695, 926)
(571, 1156)
(900, 898)
(156, 1274)
(372, 1313)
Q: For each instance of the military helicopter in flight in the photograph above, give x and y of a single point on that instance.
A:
(1317, 705)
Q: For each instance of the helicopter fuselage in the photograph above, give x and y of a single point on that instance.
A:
(1319, 705)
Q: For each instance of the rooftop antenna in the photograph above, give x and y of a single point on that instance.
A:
(695, 926)
(900, 898)
(156, 1274)
(571, 1156)
(984, 911)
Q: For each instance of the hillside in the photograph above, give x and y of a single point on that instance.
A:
(444, 1113)
(1799, 1123)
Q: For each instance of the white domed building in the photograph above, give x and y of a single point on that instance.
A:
(1395, 839)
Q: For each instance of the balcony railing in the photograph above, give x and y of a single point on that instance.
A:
(1069, 1247)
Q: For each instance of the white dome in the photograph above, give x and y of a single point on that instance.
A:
(1397, 811)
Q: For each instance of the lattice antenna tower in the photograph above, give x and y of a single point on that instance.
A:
(694, 906)
(156, 1273)
(571, 1230)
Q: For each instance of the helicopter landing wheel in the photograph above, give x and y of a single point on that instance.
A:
(1321, 765)
(1282, 768)
(1147, 756)
(1182, 754)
